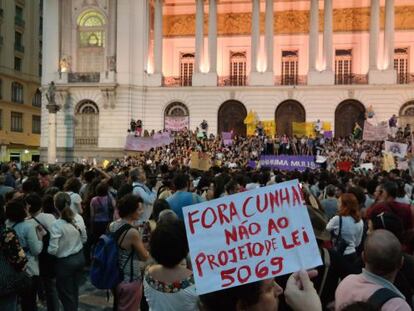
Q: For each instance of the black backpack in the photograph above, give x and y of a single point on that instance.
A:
(381, 296)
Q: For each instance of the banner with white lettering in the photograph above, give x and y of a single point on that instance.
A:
(250, 236)
(176, 124)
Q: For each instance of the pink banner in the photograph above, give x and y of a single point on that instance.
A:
(375, 132)
(147, 143)
(176, 124)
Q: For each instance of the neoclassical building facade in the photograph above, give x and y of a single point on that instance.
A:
(182, 61)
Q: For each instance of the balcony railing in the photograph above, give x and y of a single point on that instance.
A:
(18, 21)
(90, 141)
(18, 47)
(83, 77)
(291, 80)
(351, 79)
(171, 81)
(232, 81)
(406, 78)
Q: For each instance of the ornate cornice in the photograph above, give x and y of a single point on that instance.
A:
(287, 22)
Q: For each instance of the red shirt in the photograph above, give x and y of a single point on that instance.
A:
(402, 210)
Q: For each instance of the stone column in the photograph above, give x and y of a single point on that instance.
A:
(313, 34)
(155, 79)
(51, 45)
(158, 37)
(389, 35)
(199, 36)
(255, 34)
(52, 108)
(328, 35)
(206, 78)
(212, 36)
(374, 29)
(269, 36)
(386, 73)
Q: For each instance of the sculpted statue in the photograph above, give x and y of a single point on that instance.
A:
(51, 93)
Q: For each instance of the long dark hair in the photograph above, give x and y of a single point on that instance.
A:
(62, 204)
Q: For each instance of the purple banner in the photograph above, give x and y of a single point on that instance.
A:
(328, 134)
(147, 143)
(286, 162)
(227, 140)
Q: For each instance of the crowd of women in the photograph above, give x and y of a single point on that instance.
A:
(51, 218)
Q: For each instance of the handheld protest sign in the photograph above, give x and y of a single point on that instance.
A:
(250, 236)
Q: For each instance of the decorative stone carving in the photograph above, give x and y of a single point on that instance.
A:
(288, 22)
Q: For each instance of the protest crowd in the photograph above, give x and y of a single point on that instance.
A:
(52, 219)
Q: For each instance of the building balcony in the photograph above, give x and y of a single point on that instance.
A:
(19, 48)
(351, 79)
(405, 78)
(176, 81)
(232, 81)
(19, 22)
(86, 141)
(83, 77)
(291, 80)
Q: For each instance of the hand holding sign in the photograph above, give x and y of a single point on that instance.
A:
(250, 236)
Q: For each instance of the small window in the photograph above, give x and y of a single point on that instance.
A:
(290, 61)
(19, 12)
(186, 69)
(401, 65)
(18, 38)
(238, 68)
(16, 122)
(343, 66)
(17, 93)
(37, 99)
(36, 124)
(17, 64)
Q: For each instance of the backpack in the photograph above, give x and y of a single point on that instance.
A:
(381, 296)
(105, 270)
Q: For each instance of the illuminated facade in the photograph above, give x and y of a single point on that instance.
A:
(189, 60)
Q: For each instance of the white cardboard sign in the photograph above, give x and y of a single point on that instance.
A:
(250, 236)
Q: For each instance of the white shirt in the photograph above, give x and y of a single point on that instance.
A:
(75, 202)
(147, 196)
(46, 220)
(351, 231)
(65, 239)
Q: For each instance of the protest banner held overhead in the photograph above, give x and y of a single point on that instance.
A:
(250, 236)
(147, 143)
(286, 162)
(375, 132)
(176, 123)
(396, 149)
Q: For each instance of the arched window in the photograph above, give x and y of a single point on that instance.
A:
(37, 99)
(407, 115)
(17, 93)
(91, 41)
(87, 124)
(176, 117)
